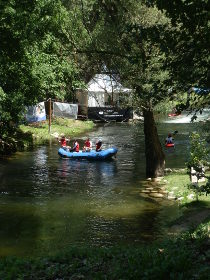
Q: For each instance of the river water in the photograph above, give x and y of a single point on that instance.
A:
(48, 203)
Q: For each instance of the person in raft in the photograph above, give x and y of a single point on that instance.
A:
(169, 139)
(99, 145)
(75, 147)
(88, 145)
(63, 141)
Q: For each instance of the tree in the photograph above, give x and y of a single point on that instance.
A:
(189, 43)
(130, 38)
(36, 56)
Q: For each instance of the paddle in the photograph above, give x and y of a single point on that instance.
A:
(175, 132)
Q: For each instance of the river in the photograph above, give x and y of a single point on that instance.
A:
(48, 203)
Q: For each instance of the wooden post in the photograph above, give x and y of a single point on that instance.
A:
(49, 115)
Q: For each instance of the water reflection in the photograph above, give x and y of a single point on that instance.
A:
(54, 202)
(86, 173)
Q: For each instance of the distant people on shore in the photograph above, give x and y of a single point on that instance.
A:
(88, 145)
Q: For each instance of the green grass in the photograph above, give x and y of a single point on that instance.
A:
(38, 134)
(177, 184)
(185, 257)
(71, 128)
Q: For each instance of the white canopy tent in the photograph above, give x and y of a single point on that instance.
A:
(102, 90)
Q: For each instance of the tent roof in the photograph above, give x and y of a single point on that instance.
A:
(105, 83)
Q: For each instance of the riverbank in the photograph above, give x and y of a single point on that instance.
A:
(185, 257)
(26, 136)
(193, 210)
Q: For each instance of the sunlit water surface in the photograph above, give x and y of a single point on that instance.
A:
(48, 203)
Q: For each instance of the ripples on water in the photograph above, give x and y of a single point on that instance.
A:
(48, 203)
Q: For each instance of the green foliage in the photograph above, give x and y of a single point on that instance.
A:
(36, 57)
(198, 153)
(178, 258)
(200, 189)
(188, 41)
(130, 39)
(198, 159)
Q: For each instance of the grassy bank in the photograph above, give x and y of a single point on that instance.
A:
(192, 211)
(177, 182)
(186, 257)
(38, 134)
(71, 128)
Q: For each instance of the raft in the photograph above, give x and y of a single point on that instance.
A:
(92, 155)
(169, 145)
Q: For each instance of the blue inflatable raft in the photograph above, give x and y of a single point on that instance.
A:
(92, 155)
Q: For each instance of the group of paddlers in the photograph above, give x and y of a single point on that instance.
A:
(98, 146)
(86, 148)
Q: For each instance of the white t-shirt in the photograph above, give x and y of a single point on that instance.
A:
(169, 139)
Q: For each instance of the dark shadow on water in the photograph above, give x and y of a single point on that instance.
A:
(19, 229)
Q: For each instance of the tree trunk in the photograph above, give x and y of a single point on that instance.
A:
(155, 158)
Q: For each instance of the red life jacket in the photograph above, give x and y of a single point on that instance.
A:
(77, 147)
(63, 142)
(87, 144)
